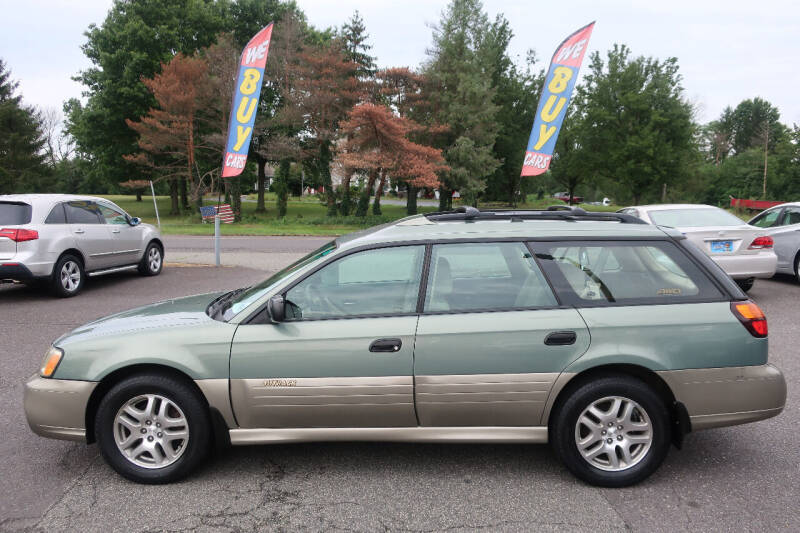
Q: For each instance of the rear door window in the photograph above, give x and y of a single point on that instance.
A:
(485, 276)
(83, 212)
(599, 273)
(15, 213)
(791, 216)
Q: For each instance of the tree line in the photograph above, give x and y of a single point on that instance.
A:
(159, 91)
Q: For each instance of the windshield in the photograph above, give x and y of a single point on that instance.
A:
(245, 298)
(694, 218)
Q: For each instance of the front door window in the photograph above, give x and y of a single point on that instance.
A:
(379, 282)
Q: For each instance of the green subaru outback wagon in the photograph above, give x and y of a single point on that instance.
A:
(609, 338)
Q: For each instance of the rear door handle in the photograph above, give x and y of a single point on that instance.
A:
(79, 231)
(386, 345)
(561, 338)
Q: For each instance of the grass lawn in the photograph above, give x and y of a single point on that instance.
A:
(305, 216)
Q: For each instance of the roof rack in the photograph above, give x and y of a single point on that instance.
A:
(554, 212)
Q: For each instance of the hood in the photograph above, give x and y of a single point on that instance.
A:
(178, 312)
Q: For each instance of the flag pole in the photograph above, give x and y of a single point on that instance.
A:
(216, 229)
(153, 193)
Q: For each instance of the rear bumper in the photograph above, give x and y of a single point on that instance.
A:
(760, 265)
(15, 271)
(717, 397)
(56, 408)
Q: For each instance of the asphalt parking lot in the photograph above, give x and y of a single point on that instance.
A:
(740, 478)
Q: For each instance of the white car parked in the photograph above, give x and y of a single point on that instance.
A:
(782, 223)
(61, 239)
(743, 251)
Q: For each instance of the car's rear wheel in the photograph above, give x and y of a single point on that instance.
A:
(153, 428)
(612, 432)
(152, 261)
(68, 276)
(745, 284)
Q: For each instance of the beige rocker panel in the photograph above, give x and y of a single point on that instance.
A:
(482, 399)
(324, 402)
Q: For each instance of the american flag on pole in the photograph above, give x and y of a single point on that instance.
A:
(210, 211)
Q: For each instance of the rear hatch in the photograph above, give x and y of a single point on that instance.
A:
(723, 240)
(12, 216)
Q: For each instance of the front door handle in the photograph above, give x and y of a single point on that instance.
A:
(561, 338)
(386, 345)
(78, 230)
(114, 231)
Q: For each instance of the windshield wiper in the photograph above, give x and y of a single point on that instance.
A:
(217, 307)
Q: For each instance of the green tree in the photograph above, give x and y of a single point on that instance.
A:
(22, 141)
(131, 44)
(354, 34)
(459, 70)
(638, 130)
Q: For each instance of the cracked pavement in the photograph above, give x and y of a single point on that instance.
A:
(740, 478)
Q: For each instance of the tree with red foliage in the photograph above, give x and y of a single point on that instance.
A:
(377, 143)
(169, 135)
(405, 92)
(326, 87)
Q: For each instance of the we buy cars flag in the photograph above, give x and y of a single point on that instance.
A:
(558, 85)
(245, 102)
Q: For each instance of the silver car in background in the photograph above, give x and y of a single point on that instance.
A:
(743, 251)
(61, 239)
(782, 223)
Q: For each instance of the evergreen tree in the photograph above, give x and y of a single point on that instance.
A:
(354, 34)
(460, 72)
(22, 141)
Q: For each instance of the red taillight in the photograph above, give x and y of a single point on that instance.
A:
(751, 316)
(19, 235)
(761, 242)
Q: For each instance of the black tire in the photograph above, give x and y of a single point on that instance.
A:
(564, 427)
(63, 281)
(181, 394)
(745, 284)
(797, 268)
(146, 265)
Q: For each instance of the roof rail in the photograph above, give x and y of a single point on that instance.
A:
(556, 212)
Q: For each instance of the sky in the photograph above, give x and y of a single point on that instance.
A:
(727, 50)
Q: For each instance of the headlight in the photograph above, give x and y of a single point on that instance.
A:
(51, 360)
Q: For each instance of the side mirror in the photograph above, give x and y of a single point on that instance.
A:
(134, 221)
(277, 308)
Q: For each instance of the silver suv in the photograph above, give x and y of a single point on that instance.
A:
(61, 239)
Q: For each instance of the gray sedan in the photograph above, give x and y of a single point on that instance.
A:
(782, 223)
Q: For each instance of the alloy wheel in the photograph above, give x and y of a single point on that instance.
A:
(70, 276)
(154, 259)
(614, 433)
(151, 431)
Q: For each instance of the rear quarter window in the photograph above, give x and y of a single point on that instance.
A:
(594, 273)
(15, 213)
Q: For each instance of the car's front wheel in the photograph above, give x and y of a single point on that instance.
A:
(152, 428)
(152, 261)
(745, 284)
(612, 432)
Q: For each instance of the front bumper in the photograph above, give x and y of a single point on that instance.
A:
(760, 265)
(56, 408)
(718, 397)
